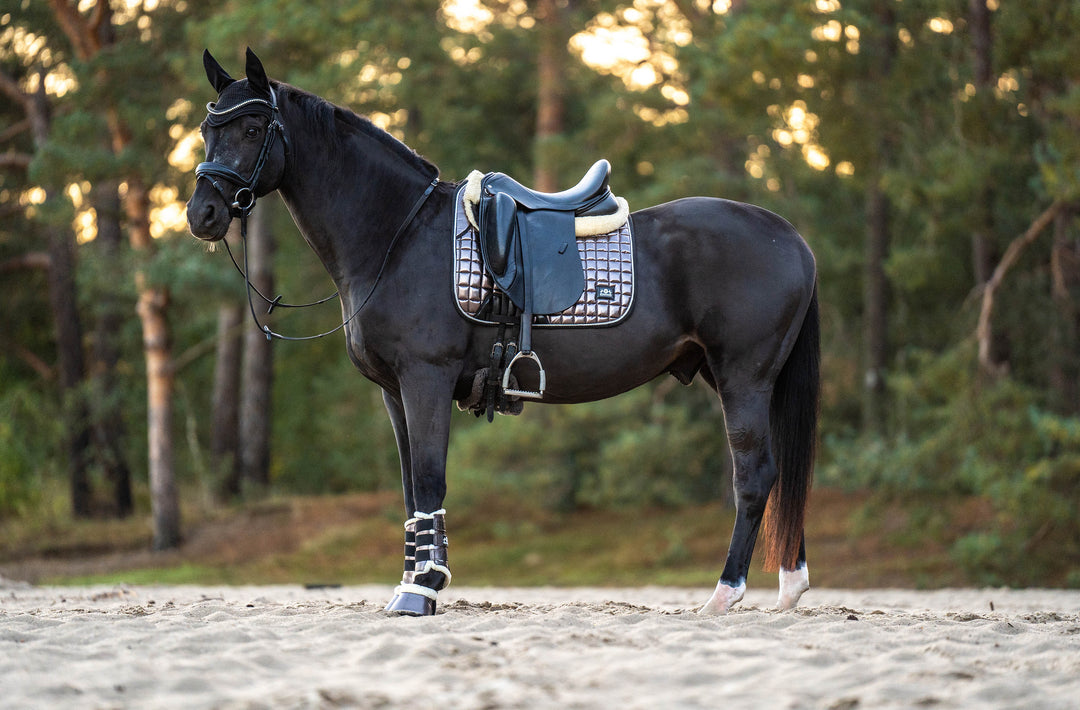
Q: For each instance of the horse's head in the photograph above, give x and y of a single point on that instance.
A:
(245, 149)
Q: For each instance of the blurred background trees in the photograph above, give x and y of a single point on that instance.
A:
(929, 151)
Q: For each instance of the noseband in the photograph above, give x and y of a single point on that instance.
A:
(244, 197)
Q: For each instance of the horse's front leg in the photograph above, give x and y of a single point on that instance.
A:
(422, 427)
(396, 410)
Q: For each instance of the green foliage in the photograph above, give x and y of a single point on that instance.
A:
(962, 437)
(652, 446)
(896, 101)
(28, 426)
(336, 436)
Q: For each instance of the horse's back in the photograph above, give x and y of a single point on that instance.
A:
(735, 233)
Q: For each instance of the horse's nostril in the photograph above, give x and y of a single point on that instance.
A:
(203, 217)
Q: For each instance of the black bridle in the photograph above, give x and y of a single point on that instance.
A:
(243, 203)
(244, 197)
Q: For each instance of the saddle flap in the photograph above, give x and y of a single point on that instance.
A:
(555, 278)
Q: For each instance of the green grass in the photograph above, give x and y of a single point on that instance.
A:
(353, 539)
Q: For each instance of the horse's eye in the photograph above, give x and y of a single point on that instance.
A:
(252, 132)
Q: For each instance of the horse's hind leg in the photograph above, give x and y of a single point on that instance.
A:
(794, 582)
(747, 418)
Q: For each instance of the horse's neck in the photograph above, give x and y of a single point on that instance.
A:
(348, 198)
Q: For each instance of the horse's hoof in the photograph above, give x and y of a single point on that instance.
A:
(723, 598)
(411, 604)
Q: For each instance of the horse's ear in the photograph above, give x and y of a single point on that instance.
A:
(219, 78)
(256, 75)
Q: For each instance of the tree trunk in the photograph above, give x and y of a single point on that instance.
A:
(984, 251)
(72, 366)
(108, 418)
(257, 374)
(90, 30)
(152, 308)
(984, 331)
(550, 102)
(67, 324)
(981, 42)
(875, 308)
(225, 421)
(878, 231)
(1065, 336)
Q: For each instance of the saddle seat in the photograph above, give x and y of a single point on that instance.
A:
(591, 196)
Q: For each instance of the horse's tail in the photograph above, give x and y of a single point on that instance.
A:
(793, 417)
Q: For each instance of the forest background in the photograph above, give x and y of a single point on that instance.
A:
(928, 150)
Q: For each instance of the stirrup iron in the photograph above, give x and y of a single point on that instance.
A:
(507, 390)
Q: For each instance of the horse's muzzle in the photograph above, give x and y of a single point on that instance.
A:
(208, 216)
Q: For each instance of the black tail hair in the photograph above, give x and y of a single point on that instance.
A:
(794, 418)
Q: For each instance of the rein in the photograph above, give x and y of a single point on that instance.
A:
(270, 334)
(243, 203)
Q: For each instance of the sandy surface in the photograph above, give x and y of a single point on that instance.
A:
(290, 647)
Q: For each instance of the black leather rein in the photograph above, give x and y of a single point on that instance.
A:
(270, 334)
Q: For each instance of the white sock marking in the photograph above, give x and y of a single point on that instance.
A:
(723, 598)
(792, 585)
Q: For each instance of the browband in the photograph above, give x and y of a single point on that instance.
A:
(256, 105)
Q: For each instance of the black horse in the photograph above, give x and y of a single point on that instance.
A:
(723, 290)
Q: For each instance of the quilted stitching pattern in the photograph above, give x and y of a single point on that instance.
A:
(608, 261)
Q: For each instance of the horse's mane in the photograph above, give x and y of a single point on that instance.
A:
(323, 118)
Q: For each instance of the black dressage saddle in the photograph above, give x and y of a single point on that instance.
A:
(529, 247)
(527, 238)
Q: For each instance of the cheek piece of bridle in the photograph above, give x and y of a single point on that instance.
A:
(243, 202)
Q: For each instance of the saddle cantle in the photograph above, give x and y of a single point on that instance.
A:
(528, 244)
